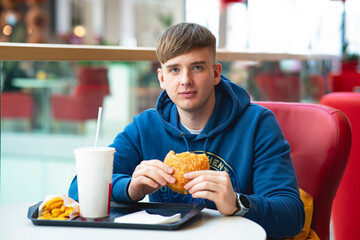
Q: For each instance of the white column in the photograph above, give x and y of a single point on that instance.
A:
(63, 16)
(112, 21)
(93, 14)
(127, 23)
(98, 18)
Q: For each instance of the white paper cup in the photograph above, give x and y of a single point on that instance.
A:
(94, 168)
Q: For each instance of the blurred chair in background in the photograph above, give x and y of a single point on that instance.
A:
(349, 65)
(91, 75)
(84, 102)
(346, 208)
(17, 106)
(346, 81)
(278, 87)
(320, 139)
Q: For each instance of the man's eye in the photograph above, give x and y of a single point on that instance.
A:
(174, 70)
(197, 68)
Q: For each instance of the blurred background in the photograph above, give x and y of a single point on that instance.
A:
(50, 108)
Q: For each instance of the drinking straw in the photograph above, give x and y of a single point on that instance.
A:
(98, 126)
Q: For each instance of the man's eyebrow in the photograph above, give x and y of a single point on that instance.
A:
(172, 65)
(198, 63)
(192, 64)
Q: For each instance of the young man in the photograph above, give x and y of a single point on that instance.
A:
(201, 111)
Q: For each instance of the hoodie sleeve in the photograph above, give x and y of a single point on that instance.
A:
(276, 204)
(127, 156)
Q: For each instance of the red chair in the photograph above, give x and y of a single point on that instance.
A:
(278, 87)
(320, 139)
(346, 208)
(17, 106)
(92, 75)
(349, 66)
(83, 104)
(344, 82)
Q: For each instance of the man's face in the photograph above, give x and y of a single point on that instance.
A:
(189, 80)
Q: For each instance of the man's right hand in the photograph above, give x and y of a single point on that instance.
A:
(149, 176)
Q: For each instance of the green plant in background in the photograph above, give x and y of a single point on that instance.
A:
(349, 57)
(166, 19)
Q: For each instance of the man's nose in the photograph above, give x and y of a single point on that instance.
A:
(186, 78)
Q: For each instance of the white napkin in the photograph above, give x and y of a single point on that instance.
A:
(142, 217)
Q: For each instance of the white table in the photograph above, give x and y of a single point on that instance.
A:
(14, 225)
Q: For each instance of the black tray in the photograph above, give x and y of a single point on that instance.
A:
(187, 211)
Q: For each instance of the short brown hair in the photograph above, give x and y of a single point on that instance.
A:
(182, 38)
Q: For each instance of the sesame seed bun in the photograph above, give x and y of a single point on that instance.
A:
(183, 163)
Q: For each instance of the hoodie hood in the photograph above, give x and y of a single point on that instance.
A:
(231, 101)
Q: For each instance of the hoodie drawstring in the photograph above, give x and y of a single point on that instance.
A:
(187, 144)
(206, 141)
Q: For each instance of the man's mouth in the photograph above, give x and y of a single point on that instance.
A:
(188, 94)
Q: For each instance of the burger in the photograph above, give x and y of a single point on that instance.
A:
(183, 163)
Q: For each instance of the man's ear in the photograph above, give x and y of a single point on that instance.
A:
(161, 78)
(217, 73)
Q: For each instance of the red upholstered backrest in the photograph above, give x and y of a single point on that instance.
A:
(344, 82)
(91, 91)
(87, 96)
(320, 139)
(92, 75)
(16, 105)
(346, 208)
(82, 105)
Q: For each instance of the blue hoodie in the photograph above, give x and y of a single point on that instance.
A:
(241, 138)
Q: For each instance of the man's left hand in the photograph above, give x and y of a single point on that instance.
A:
(215, 186)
